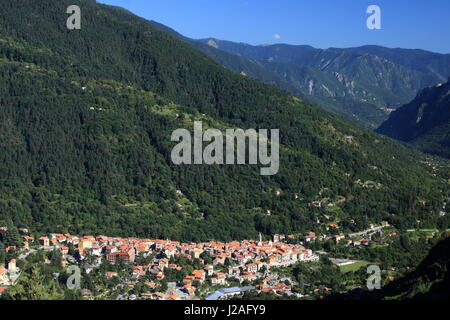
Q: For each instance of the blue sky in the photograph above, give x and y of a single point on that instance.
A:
(423, 24)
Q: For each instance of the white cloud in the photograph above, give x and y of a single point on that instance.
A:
(276, 36)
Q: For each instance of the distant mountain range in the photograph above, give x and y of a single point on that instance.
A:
(362, 84)
(424, 122)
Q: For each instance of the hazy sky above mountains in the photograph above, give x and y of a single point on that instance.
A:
(423, 24)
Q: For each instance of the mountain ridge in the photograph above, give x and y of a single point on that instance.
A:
(364, 101)
(359, 64)
(424, 122)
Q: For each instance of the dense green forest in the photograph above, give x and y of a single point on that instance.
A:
(85, 123)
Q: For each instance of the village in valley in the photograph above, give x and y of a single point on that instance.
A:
(133, 268)
(243, 262)
(331, 259)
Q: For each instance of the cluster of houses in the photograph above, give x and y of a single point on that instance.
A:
(241, 252)
(250, 261)
(247, 260)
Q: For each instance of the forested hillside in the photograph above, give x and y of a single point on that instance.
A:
(430, 280)
(85, 123)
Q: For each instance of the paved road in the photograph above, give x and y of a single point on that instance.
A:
(367, 231)
(26, 254)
